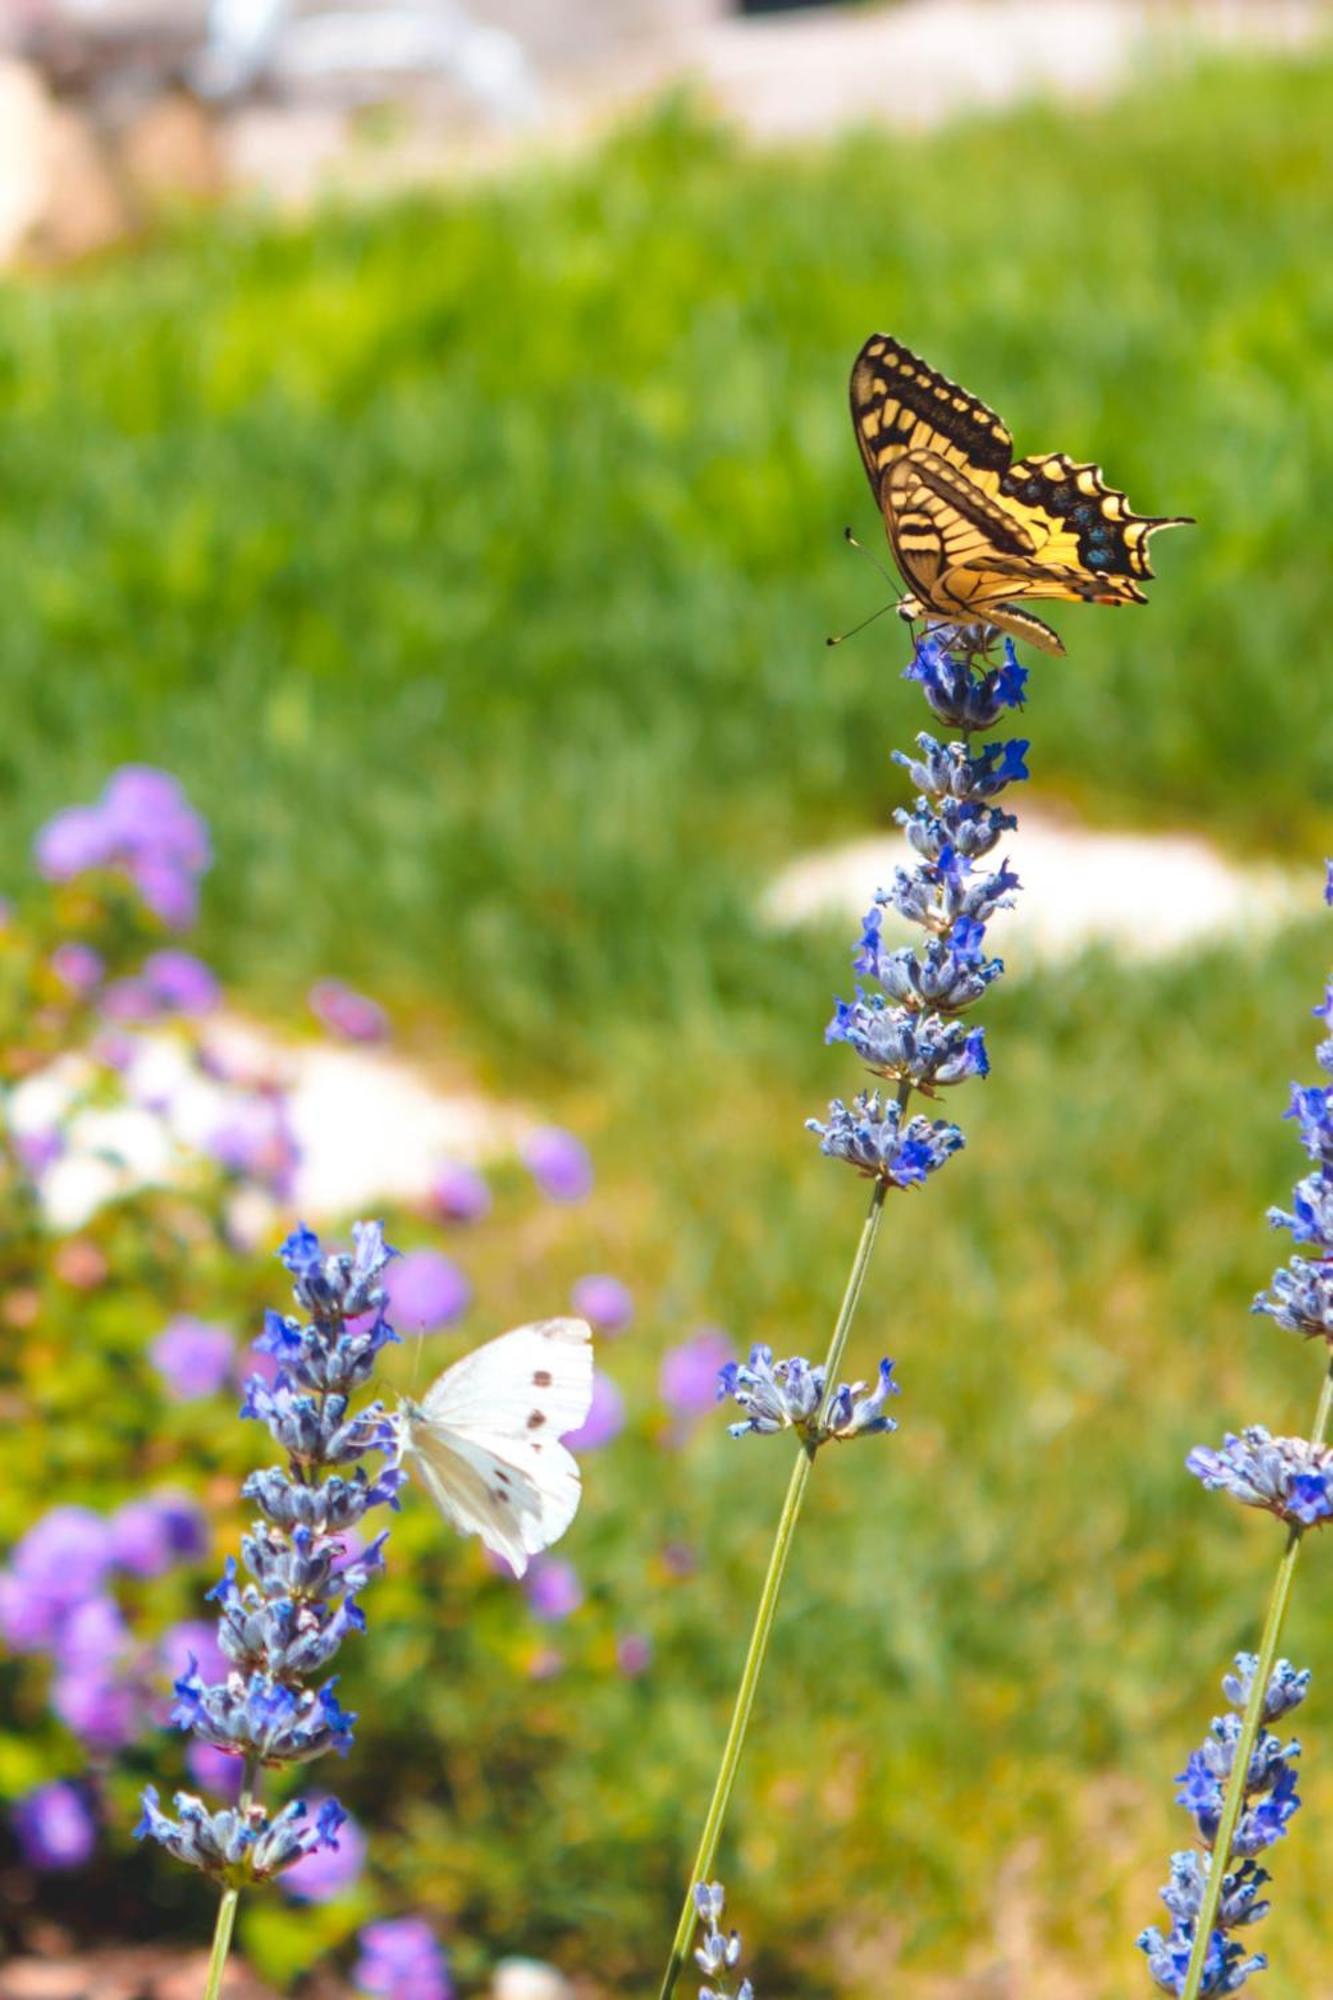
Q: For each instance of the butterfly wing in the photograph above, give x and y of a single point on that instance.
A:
(901, 404)
(487, 1436)
(1078, 522)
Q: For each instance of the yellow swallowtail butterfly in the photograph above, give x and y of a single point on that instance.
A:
(971, 527)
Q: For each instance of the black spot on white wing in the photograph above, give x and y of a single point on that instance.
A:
(541, 1378)
(536, 1420)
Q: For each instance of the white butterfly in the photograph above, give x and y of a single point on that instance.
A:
(487, 1437)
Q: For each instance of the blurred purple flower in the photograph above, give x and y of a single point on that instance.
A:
(559, 1163)
(180, 982)
(459, 1193)
(193, 1357)
(55, 1826)
(604, 1301)
(634, 1654)
(74, 840)
(93, 1633)
(195, 1637)
(688, 1379)
(605, 1418)
(148, 1536)
(38, 1150)
(257, 1142)
(426, 1291)
(78, 966)
(400, 1960)
(328, 1871)
(144, 823)
(130, 1000)
(98, 1706)
(213, 1770)
(169, 891)
(552, 1588)
(349, 1015)
(62, 1560)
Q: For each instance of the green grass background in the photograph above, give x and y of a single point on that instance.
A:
(471, 561)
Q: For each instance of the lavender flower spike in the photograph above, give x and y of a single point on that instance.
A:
(1270, 1801)
(285, 1623)
(718, 1954)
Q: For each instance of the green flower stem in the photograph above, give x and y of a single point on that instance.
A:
(706, 1856)
(222, 1930)
(1253, 1722)
(226, 1922)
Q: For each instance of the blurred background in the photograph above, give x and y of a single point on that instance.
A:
(424, 438)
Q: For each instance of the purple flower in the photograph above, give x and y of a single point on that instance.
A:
(169, 891)
(74, 840)
(604, 1301)
(78, 967)
(347, 1014)
(148, 1536)
(552, 1588)
(193, 1357)
(62, 1560)
(93, 1633)
(605, 1419)
(180, 982)
(688, 1379)
(559, 1163)
(131, 1000)
(634, 1654)
(39, 1150)
(400, 1960)
(426, 1291)
(190, 1644)
(55, 1827)
(459, 1193)
(256, 1141)
(98, 1706)
(214, 1770)
(327, 1872)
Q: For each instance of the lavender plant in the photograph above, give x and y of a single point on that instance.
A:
(1267, 1781)
(1243, 1788)
(910, 1034)
(719, 1954)
(283, 1628)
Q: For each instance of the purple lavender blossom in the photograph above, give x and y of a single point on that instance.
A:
(327, 1872)
(603, 1301)
(283, 1627)
(427, 1291)
(1270, 1800)
(605, 1419)
(559, 1163)
(552, 1588)
(194, 1357)
(55, 1827)
(401, 1960)
(346, 1014)
(459, 1193)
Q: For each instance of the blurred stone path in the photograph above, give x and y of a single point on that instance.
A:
(1143, 895)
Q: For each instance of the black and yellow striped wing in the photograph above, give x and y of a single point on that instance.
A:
(971, 528)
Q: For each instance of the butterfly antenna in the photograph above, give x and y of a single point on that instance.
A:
(838, 637)
(862, 550)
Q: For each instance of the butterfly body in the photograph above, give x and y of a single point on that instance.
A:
(972, 529)
(485, 1438)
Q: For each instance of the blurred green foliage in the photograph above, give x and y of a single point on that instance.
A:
(471, 562)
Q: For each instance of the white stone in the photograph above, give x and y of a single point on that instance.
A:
(528, 1979)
